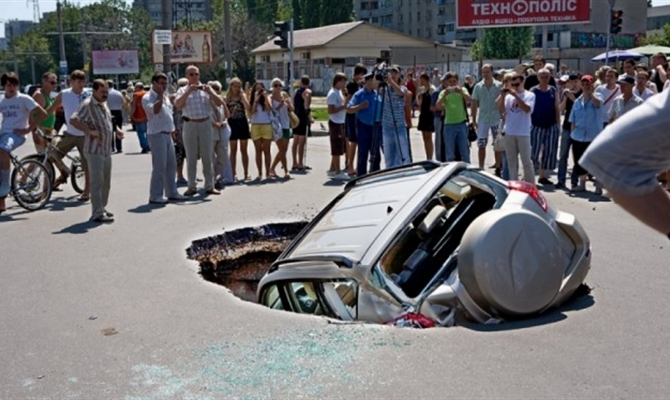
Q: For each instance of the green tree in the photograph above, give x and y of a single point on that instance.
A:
(507, 43)
(33, 53)
(660, 39)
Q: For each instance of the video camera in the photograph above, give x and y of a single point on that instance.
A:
(381, 72)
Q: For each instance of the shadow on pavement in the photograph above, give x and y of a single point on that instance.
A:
(334, 182)
(79, 228)
(146, 208)
(590, 196)
(580, 301)
(63, 203)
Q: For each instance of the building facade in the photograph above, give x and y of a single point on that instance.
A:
(17, 27)
(181, 11)
(435, 20)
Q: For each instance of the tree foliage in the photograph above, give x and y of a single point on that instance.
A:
(660, 39)
(506, 43)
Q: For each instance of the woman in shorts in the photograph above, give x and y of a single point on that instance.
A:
(261, 127)
(281, 104)
(238, 105)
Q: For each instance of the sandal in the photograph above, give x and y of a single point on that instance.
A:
(60, 181)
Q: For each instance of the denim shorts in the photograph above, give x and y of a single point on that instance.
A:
(9, 141)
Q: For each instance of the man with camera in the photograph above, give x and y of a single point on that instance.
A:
(394, 138)
(517, 103)
(196, 100)
(453, 100)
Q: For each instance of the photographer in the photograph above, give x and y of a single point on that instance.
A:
(453, 100)
(394, 128)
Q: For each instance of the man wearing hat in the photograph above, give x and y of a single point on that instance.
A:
(626, 101)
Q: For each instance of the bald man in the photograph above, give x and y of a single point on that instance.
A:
(195, 101)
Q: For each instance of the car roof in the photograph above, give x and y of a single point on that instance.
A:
(366, 210)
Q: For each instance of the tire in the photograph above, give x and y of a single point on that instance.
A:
(47, 164)
(77, 176)
(31, 185)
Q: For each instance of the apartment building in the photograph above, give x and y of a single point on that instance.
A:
(17, 27)
(435, 20)
(180, 10)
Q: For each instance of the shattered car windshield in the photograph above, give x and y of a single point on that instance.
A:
(335, 299)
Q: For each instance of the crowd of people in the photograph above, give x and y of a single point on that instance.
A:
(532, 117)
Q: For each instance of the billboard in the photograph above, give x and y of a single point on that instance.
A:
(115, 62)
(498, 13)
(188, 47)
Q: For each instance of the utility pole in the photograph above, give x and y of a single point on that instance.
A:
(61, 41)
(16, 60)
(83, 42)
(167, 24)
(290, 59)
(228, 39)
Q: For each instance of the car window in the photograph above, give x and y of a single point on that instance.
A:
(333, 298)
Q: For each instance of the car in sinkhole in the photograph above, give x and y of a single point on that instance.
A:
(439, 241)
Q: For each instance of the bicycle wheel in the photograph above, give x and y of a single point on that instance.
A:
(77, 176)
(31, 185)
(46, 162)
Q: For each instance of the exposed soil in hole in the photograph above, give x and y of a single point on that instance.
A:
(239, 259)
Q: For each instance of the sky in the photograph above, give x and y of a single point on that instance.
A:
(18, 9)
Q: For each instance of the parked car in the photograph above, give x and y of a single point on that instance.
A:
(433, 240)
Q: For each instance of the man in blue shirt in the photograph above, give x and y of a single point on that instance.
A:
(586, 120)
(365, 104)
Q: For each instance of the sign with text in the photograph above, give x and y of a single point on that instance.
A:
(162, 36)
(115, 62)
(499, 13)
(188, 47)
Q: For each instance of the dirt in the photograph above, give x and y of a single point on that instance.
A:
(240, 258)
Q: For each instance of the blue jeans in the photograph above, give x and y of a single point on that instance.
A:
(396, 146)
(505, 167)
(564, 153)
(439, 139)
(141, 128)
(364, 137)
(456, 137)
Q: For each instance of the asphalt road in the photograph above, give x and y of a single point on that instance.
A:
(118, 312)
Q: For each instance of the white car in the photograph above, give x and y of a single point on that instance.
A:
(431, 240)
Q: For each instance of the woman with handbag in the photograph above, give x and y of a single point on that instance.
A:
(281, 105)
(261, 127)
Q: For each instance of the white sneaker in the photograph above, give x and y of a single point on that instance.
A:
(158, 200)
(332, 174)
(343, 176)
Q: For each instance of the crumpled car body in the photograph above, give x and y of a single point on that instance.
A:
(434, 240)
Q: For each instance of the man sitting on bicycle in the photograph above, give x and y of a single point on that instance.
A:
(15, 108)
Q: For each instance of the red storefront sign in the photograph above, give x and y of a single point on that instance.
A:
(497, 13)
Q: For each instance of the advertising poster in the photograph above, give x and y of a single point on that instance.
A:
(498, 13)
(115, 62)
(188, 47)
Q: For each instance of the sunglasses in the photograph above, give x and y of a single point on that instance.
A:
(193, 73)
(276, 85)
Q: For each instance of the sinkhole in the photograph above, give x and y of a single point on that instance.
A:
(240, 258)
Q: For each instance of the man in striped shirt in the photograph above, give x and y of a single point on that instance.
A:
(95, 120)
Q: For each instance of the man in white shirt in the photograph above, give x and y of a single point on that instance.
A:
(15, 109)
(195, 100)
(337, 115)
(518, 104)
(609, 91)
(642, 89)
(161, 133)
(71, 98)
(115, 104)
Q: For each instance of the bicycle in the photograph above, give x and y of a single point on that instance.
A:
(75, 171)
(30, 183)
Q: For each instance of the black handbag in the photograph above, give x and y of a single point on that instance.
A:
(472, 132)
